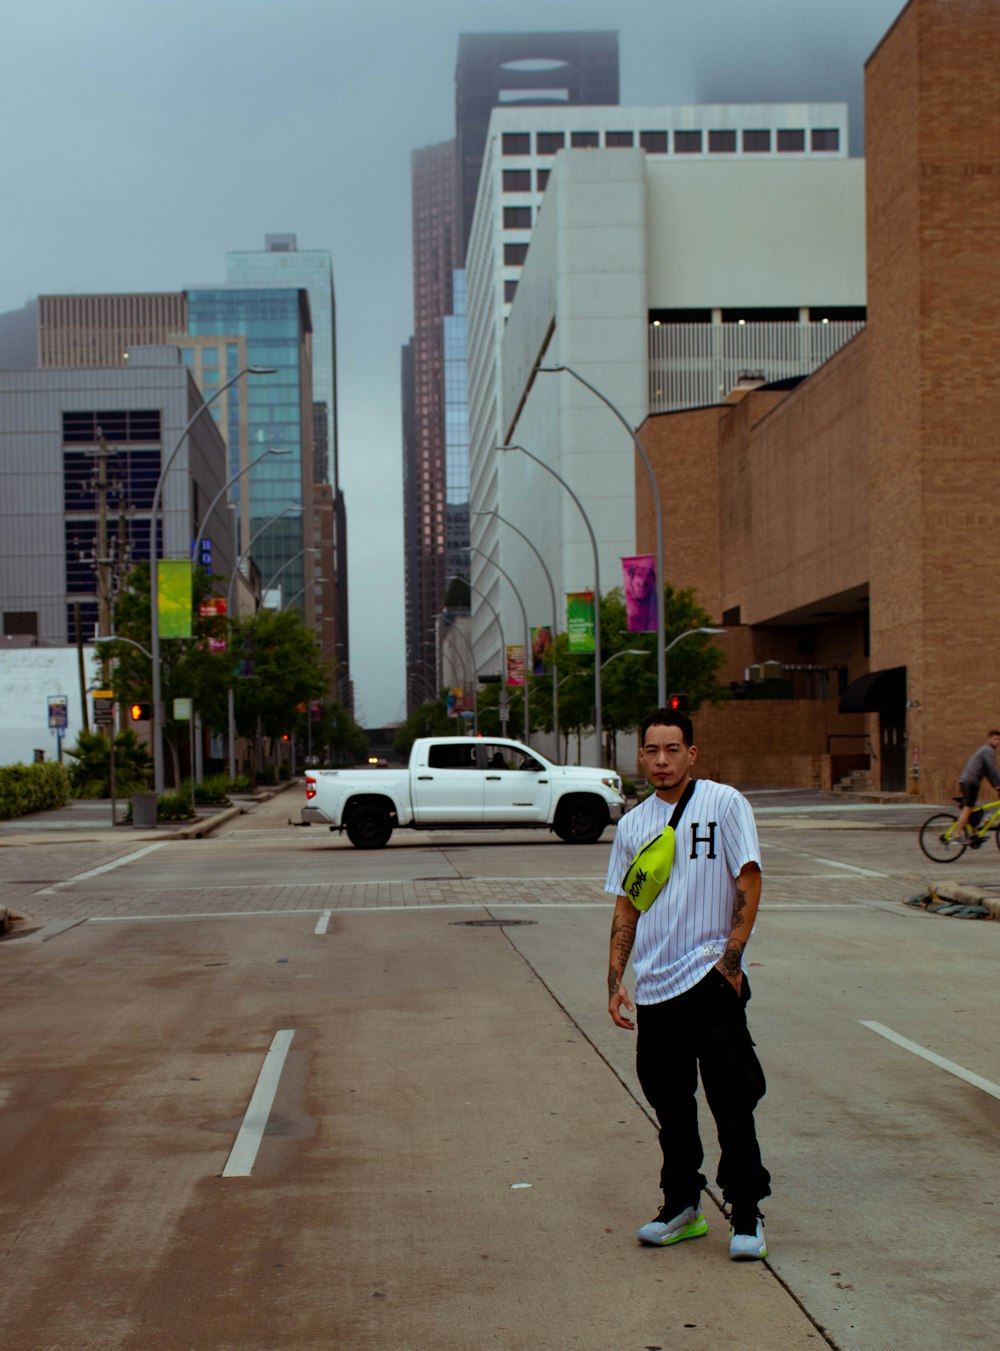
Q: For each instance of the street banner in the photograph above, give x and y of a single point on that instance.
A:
(541, 650)
(639, 579)
(515, 663)
(580, 620)
(212, 606)
(173, 589)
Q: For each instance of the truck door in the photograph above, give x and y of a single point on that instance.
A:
(517, 785)
(448, 788)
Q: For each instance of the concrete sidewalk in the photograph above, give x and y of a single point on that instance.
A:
(487, 1169)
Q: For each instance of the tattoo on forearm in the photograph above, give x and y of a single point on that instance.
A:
(739, 906)
(614, 980)
(622, 938)
(730, 964)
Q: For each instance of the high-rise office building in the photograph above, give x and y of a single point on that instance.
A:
(493, 69)
(281, 263)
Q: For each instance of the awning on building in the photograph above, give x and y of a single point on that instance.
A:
(876, 692)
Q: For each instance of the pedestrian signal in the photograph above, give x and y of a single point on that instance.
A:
(140, 712)
(678, 703)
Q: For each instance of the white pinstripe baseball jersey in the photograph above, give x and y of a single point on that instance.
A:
(683, 934)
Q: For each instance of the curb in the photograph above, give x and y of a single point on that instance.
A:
(963, 893)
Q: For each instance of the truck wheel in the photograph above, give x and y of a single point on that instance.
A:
(581, 821)
(369, 827)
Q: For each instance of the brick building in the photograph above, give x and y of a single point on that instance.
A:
(835, 528)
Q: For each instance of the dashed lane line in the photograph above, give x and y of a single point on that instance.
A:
(959, 1071)
(243, 1154)
(96, 872)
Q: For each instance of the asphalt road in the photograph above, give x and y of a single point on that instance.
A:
(456, 1153)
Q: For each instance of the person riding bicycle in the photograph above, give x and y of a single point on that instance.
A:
(980, 765)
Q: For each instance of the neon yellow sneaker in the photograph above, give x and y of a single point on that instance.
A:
(667, 1229)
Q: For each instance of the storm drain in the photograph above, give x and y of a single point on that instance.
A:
(489, 923)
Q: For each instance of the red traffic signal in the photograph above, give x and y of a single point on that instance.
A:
(678, 703)
(140, 712)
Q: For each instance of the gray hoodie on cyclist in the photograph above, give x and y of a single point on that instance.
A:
(981, 765)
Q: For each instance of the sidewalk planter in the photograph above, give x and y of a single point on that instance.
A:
(143, 810)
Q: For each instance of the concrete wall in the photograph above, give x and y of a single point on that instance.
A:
(28, 677)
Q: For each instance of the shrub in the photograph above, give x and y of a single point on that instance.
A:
(32, 788)
(90, 774)
(214, 789)
(174, 806)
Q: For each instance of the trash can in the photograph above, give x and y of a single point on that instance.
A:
(144, 809)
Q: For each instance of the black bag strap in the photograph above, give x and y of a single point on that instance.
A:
(683, 801)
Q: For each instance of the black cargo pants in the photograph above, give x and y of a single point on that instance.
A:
(704, 1029)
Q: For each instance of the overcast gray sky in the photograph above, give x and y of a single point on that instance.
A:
(144, 138)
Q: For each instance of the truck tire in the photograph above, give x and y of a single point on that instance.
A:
(581, 820)
(369, 826)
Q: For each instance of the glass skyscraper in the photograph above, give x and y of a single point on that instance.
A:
(276, 325)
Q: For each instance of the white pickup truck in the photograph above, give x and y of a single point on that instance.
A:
(465, 782)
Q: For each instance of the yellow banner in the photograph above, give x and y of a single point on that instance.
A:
(173, 588)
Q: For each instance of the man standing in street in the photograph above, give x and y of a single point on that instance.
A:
(982, 764)
(691, 989)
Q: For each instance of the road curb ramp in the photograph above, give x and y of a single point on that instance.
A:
(959, 900)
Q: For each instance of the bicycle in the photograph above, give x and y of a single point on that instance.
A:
(940, 842)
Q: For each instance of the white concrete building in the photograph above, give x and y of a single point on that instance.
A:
(662, 276)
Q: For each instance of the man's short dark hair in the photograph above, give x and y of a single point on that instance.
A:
(666, 717)
(993, 732)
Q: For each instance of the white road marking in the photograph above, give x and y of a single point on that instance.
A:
(832, 862)
(323, 922)
(959, 1071)
(243, 1154)
(104, 868)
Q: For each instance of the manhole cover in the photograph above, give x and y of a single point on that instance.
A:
(489, 923)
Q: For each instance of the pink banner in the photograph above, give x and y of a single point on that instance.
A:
(639, 574)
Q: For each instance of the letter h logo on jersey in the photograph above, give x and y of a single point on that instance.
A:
(708, 839)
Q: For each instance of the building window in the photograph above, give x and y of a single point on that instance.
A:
(548, 142)
(20, 623)
(654, 142)
(722, 142)
(517, 218)
(756, 142)
(825, 138)
(517, 143)
(614, 139)
(130, 424)
(517, 180)
(687, 142)
(584, 140)
(542, 178)
(791, 142)
(509, 290)
(515, 254)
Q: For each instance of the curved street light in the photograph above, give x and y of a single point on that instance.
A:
(503, 643)
(661, 672)
(274, 450)
(689, 633)
(598, 717)
(527, 633)
(555, 613)
(154, 600)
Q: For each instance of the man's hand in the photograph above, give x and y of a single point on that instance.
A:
(729, 966)
(617, 1001)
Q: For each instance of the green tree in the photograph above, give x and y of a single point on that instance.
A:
(428, 719)
(90, 773)
(281, 669)
(188, 668)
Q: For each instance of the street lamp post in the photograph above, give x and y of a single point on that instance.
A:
(287, 564)
(231, 696)
(661, 665)
(598, 715)
(527, 634)
(688, 633)
(503, 649)
(555, 613)
(274, 450)
(154, 601)
(292, 599)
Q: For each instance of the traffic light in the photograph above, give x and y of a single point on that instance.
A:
(678, 703)
(140, 712)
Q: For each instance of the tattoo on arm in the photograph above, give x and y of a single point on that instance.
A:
(739, 906)
(622, 938)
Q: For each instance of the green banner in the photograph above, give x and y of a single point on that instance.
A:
(580, 620)
(173, 589)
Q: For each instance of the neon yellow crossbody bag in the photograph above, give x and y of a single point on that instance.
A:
(648, 872)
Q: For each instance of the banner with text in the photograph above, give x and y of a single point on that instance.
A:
(580, 620)
(515, 663)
